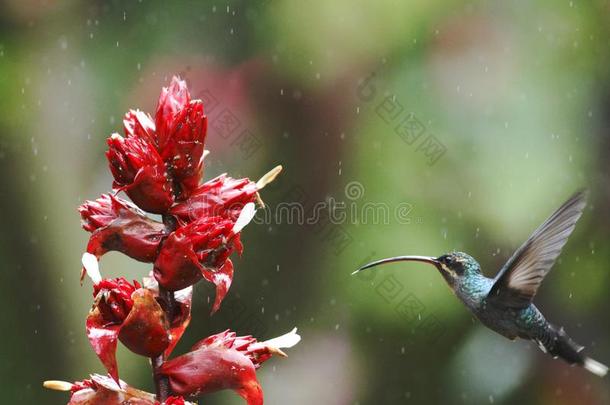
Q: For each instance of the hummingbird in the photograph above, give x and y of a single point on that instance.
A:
(504, 303)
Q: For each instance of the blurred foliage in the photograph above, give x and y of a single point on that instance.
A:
(518, 93)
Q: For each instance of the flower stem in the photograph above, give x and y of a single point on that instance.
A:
(169, 304)
(161, 383)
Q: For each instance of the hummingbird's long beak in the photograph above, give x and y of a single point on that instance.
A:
(424, 259)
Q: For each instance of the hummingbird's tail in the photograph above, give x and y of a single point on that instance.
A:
(595, 367)
(558, 344)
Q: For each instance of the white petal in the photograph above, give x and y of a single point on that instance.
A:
(58, 385)
(268, 177)
(288, 340)
(92, 267)
(245, 216)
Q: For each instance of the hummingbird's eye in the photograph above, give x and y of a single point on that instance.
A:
(446, 259)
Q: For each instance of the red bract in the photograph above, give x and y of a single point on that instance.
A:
(183, 150)
(101, 390)
(139, 124)
(116, 224)
(175, 144)
(173, 99)
(175, 401)
(257, 352)
(140, 172)
(125, 312)
(113, 298)
(181, 315)
(224, 361)
(201, 250)
(223, 196)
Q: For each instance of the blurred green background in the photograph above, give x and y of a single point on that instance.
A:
(346, 95)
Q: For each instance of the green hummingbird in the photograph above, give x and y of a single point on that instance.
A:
(504, 303)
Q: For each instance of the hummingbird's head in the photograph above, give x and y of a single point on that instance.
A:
(456, 265)
(453, 266)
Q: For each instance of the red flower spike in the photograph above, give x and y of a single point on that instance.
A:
(183, 151)
(172, 100)
(201, 249)
(224, 361)
(125, 312)
(118, 225)
(140, 125)
(102, 390)
(140, 172)
(222, 196)
(159, 164)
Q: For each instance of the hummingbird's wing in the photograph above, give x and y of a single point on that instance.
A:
(517, 282)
